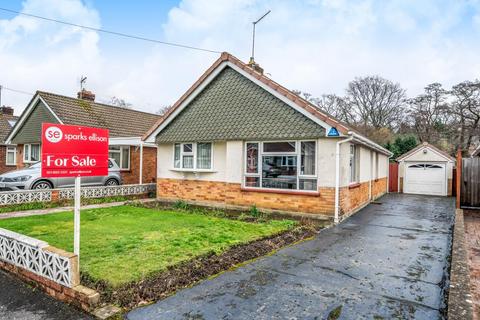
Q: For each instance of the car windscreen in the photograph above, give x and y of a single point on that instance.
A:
(36, 165)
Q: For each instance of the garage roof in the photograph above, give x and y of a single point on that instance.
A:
(422, 146)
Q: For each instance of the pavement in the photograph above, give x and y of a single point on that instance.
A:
(22, 302)
(472, 237)
(387, 261)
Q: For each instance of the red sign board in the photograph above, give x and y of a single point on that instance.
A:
(72, 151)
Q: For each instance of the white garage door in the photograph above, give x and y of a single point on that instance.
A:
(425, 178)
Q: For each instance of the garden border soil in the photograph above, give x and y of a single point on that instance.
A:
(186, 274)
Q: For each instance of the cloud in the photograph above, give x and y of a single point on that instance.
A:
(316, 45)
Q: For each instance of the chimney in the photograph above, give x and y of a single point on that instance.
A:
(255, 66)
(86, 95)
(6, 110)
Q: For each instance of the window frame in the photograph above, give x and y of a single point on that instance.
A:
(195, 156)
(29, 153)
(356, 163)
(14, 155)
(120, 151)
(297, 154)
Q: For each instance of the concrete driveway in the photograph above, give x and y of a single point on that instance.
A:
(387, 261)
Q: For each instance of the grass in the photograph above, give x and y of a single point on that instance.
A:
(126, 243)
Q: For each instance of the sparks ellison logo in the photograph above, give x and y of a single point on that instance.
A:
(53, 134)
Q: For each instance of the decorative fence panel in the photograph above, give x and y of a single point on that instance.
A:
(470, 183)
(27, 196)
(39, 258)
(17, 197)
(111, 191)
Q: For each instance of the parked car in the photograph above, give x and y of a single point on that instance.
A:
(31, 178)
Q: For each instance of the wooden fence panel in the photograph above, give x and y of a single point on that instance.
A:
(393, 177)
(470, 183)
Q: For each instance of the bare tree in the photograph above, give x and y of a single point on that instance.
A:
(163, 110)
(429, 113)
(466, 107)
(114, 101)
(375, 102)
(329, 103)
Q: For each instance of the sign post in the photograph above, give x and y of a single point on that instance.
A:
(74, 151)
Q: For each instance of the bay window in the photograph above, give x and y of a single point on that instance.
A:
(281, 165)
(11, 156)
(192, 156)
(121, 155)
(31, 152)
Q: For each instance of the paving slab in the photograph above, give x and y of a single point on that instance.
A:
(387, 261)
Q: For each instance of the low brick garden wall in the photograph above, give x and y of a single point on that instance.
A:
(459, 297)
(53, 270)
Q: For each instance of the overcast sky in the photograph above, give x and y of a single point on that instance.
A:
(316, 46)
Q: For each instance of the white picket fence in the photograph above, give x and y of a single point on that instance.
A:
(33, 255)
(27, 196)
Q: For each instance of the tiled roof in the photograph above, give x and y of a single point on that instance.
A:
(226, 57)
(121, 122)
(5, 126)
(232, 107)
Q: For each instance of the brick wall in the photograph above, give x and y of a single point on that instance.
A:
(149, 166)
(379, 187)
(3, 159)
(222, 193)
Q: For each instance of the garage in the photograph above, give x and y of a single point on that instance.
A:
(425, 178)
(426, 170)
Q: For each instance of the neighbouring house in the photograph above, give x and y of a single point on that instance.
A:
(426, 170)
(136, 159)
(7, 151)
(236, 139)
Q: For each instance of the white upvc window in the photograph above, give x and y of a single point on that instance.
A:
(281, 165)
(11, 156)
(31, 152)
(121, 155)
(193, 156)
(354, 163)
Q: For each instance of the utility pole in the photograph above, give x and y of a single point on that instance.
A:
(252, 58)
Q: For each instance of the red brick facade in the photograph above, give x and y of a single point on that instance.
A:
(132, 176)
(232, 194)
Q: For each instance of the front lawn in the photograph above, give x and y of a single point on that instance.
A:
(126, 243)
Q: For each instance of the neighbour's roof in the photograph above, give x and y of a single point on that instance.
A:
(287, 95)
(121, 122)
(6, 126)
(425, 145)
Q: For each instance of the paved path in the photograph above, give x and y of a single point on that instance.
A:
(22, 302)
(472, 236)
(26, 213)
(385, 262)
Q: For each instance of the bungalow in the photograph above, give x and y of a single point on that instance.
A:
(136, 159)
(236, 138)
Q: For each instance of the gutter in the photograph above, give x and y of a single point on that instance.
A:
(337, 178)
(370, 144)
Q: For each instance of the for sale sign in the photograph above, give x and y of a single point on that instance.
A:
(73, 151)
